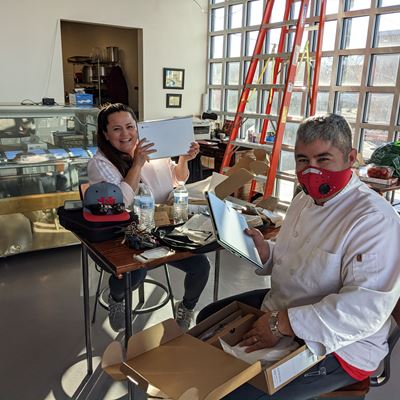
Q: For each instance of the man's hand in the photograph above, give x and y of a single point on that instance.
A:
(260, 336)
(260, 244)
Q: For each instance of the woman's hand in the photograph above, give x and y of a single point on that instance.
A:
(192, 153)
(260, 336)
(259, 243)
(142, 152)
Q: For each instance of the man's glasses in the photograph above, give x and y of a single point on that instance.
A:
(106, 209)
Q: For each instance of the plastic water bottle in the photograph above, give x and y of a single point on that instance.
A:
(181, 204)
(144, 206)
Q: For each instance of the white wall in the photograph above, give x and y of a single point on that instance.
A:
(174, 35)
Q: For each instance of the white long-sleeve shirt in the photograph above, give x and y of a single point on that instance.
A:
(158, 174)
(336, 268)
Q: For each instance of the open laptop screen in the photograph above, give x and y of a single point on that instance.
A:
(229, 226)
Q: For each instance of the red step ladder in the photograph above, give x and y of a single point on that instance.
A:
(287, 87)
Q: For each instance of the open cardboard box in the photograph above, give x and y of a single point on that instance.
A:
(238, 179)
(166, 362)
(223, 190)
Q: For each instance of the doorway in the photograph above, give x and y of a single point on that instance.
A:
(103, 60)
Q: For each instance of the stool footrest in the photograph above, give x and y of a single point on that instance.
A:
(138, 308)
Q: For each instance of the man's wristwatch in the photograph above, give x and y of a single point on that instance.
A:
(273, 324)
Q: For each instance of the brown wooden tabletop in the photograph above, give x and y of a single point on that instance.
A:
(120, 258)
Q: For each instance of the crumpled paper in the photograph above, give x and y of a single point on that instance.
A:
(267, 355)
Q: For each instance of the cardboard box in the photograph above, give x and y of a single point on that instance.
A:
(166, 362)
(385, 182)
(238, 179)
(81, 99)
(226, 186)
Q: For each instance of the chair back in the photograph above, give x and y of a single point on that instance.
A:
(392, 340)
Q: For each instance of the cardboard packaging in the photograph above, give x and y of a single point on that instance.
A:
(168, 363)
(238, 179)
(384, 182)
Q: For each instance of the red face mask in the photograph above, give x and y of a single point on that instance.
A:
(321, 183)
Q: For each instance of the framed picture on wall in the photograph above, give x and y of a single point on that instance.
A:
(173, 78)
(174, 100)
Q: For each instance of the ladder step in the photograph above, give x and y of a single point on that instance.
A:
(281, 175)
(249, 145)
(289, 22)
(265, 86)
(306, 28)
(284, 56)
(270, 117)
(295, 119)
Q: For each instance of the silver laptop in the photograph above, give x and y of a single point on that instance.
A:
(229, 226)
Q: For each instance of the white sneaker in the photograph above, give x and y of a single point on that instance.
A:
(184, 316)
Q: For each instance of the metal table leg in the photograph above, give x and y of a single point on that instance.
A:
(128, 307)
(131, 390)
(216, 273)
(128, 323)
(86, 309)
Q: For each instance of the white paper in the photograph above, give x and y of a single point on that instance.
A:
(153, 254)
(198, 229)
(197, 189)
(171, 137)
(292, 367)
(267, 355)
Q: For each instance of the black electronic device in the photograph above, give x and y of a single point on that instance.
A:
(73, 205)
(48, 101)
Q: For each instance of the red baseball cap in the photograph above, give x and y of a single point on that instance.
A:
(104, 202)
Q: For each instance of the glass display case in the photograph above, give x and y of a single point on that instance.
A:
(44, 151)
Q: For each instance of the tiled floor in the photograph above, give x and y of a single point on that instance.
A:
(42, 339)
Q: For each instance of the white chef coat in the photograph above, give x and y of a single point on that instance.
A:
(158, 174)
(336, 268)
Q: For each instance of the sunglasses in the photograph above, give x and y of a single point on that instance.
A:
(106, 209)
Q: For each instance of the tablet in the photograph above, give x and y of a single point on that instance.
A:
(10, 155)
(59, 153)
(92, 149)
(171, 137)
(78, 152)
(229, 226)
(37, 151)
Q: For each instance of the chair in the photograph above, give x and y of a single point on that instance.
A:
(100, 267)
(362, 388)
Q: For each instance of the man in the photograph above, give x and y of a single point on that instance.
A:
(334, 268)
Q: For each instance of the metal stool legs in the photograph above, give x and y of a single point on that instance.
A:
(141, 295)
(171, 296)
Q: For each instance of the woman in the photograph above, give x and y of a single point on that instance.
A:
(122, 159)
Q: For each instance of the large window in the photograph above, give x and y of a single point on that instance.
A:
(359, 75)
